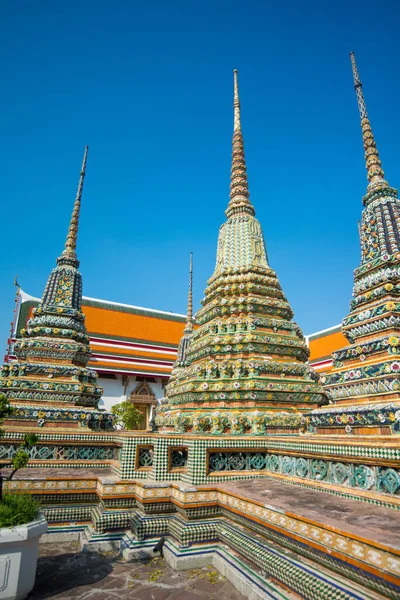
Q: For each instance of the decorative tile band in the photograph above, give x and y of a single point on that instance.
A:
(94, 419)
(321, 558)
(62, 452)
(364, 477)
(370, 415)
(330, 541)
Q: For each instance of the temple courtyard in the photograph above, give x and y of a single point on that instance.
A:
(68, 574)
(254, 473)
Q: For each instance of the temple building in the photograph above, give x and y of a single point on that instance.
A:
(123, 355)
(129, 344)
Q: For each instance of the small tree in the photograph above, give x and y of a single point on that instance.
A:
(127, 415)
(21, 457)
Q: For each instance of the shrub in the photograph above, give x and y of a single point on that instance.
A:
(127, 415)
(18, 509)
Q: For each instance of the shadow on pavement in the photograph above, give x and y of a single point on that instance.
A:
(56, 574)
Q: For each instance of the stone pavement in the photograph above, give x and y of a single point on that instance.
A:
(65, 573)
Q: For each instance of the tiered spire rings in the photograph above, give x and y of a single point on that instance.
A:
(55, 343)
(373, 324)
(373, 162)
(70, 244)
(240, 196)
(189, 317)
(243, 370)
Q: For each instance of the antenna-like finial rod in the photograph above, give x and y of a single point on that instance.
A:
(358, 87)
(373, 163)
(236, 102)
(70, 244)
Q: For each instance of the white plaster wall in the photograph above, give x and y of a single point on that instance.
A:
(114, 390)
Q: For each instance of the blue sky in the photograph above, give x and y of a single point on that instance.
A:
(149, 87)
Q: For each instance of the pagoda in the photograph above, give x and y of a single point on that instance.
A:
(245, 369)
(364, 384)
(50, 382)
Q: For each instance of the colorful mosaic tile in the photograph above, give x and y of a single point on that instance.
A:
(369, 369)
(244, 370)
(53, 352)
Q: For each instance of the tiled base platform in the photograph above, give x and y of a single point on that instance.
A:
(363, 467)
(287, 532)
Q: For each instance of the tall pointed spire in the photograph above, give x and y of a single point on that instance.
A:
(189, 317)
(373, 162)
(55, 343)
(244, 369)
(54, 293)
(70, 244)
(373, 325)
(240, 196)
(185, 342)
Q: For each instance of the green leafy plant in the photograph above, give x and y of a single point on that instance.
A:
(19, 508)
(127, 415)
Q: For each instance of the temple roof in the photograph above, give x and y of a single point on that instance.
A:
(131, 332)
(123, 338)
(322, 344)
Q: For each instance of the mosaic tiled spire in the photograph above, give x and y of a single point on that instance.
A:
(54, 349)
(56, 292)
(373, 163)
(366, 373)
(240, 196)
(184, 344)
(70, 244)
(246, 369)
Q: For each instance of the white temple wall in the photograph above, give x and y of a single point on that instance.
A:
(114, 389)
(113, 392)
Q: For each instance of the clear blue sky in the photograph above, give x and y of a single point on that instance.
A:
(148, 85)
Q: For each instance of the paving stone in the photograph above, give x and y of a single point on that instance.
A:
(190, 595)
(150, 594)
(63, 574)
(122, 567)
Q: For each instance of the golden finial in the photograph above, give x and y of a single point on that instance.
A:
(70, 244)
(373, 163)
(240, 196)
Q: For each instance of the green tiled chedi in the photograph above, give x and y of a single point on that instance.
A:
(245, 367)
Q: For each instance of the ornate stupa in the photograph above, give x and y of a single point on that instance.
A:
(245, 370)
(364, 384)
(50, 375)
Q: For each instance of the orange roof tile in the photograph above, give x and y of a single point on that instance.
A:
(104, 321)
(132, 338)
(322, 346)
